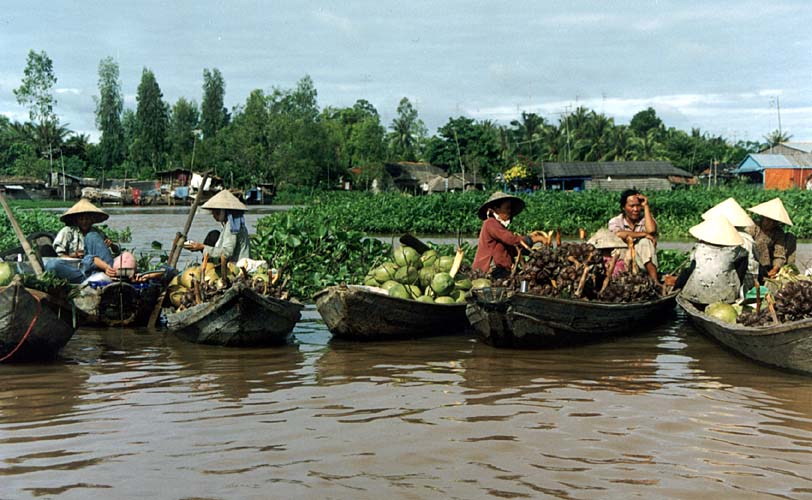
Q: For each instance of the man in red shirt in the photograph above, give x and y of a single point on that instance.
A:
(498, 247)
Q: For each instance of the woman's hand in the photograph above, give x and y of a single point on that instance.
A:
(193, 246)
(110, 272)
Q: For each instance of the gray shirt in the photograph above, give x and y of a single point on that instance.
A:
(234, 246)
(717, 274)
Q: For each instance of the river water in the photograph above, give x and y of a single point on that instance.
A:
(663, 414)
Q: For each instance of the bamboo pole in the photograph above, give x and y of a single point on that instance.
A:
(29, 252)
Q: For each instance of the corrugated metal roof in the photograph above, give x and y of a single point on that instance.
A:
(758, 162)
(806, 147)
(617, 169)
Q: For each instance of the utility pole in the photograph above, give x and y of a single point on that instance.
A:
(459, 157)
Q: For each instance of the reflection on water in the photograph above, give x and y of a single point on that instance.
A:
(129, 413)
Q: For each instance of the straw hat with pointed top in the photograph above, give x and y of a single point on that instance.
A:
(717, 231)
(605, 238)
(774, 210)
(496, 199)
(224, 200)
(83, 206)
(732, 211)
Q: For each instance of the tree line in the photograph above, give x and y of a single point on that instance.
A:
(283, 136)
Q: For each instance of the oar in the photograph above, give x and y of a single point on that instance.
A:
(410, 241)
(174, 253)
(29, 252)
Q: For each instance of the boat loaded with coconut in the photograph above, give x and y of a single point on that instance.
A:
(235, 305)
(568, 293)
(413, 294)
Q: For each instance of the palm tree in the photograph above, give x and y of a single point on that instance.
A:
(776, 137)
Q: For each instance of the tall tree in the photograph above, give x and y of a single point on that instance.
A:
(644, 121)
(182, 126)
(152, 117)
(109, 106)
(214, 115)
(36, 92)
(408, 131)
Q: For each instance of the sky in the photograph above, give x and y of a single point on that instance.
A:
(730, 68)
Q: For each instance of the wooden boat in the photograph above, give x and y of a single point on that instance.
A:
(240, 317)
(34, 326)
(502, 318)
(360, 313)
(785, 345)
(117, 303)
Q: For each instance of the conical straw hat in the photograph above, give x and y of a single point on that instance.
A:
(83, 206)
(774, 210)
(496, 199)
(732, 211)
(718, 231)
(224, 200)
(605, 238)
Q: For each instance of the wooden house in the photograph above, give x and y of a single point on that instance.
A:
(778, 171)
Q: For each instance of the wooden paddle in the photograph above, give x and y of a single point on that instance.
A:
(174, 253)
(410, 241)
(29, 252)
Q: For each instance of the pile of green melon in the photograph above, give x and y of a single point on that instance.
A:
(429, 277)
(6, 273)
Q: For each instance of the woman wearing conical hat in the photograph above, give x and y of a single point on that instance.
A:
(498, 247)
(774, 247)
(233, 242)
(733, 212)
(718, 263)
(79, 239)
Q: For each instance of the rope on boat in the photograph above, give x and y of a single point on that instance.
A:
(27, 332)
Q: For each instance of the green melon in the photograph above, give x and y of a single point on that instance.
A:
(406, 256)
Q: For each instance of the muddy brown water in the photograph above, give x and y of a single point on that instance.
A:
(666, 413)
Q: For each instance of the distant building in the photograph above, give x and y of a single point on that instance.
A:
(778, 171)
(26, 188)
(788, 148)
(424, 178)
(613, 176)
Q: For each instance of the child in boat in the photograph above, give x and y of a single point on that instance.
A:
(611, 248)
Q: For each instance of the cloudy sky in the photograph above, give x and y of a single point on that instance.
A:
(718, 65)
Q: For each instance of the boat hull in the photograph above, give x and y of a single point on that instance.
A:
(786, 345)
(355, 312)
(239, 318)
(117, 304)
(33, 325)
(526, 321)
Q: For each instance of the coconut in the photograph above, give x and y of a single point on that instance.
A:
(429, 258)
(722, 312)
(444, 300)
(406, 275)
(463, 284)
(442, 283)
(6, 273)
(407, 256)
(189, 276)
(414, 291)
(371, 282)
(176, 296)
(399, 291)
(457, 294)
(480, 283)
(389, 284)
(385, 272)
(426, 299)
(425, 275)
(210, 276)
(444, 263)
